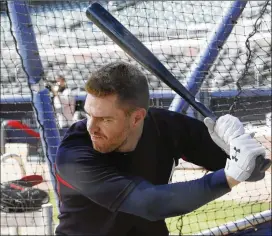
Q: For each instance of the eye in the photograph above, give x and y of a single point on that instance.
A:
(107, 120)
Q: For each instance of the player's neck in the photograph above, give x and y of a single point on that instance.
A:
(132, 140)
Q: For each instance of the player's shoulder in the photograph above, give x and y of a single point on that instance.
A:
(162, 112)
(75, 143)
(158, 112)
(175, 120)
(168, 115)
(78, 128)
(77, 135)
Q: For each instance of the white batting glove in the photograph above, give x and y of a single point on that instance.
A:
(246, 159)
(225, 129)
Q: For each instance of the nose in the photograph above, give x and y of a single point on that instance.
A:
(92, 125)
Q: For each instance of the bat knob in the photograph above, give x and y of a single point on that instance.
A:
(261, 165)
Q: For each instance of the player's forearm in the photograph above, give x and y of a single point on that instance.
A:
(163, 201)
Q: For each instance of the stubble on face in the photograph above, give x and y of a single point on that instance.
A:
(111, 143)
(107, 137)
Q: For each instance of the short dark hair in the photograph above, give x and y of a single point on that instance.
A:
(123, 79)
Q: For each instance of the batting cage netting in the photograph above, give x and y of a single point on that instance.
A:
(219, 50)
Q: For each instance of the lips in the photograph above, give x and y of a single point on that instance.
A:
(96, 138)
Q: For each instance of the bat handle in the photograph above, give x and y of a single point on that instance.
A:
(204, 110)
(261, 165)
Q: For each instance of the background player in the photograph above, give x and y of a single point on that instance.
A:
(64, 102)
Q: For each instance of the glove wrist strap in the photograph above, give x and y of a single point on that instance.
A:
(237, 173)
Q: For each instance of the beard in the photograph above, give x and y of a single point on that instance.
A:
(106, 145)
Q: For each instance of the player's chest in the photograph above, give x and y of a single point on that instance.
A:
(151, 160)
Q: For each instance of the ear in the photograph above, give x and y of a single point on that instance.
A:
(138, 116)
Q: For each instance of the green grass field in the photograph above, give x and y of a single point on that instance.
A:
(211, 215)
(54, 203)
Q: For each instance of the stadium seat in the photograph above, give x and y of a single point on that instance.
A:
(58, 31)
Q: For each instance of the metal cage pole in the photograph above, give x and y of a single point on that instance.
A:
(27, 49)
(210, 53)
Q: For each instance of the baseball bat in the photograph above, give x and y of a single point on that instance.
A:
(137, 50)
(133, 47)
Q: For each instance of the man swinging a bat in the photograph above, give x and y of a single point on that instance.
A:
(113, 167)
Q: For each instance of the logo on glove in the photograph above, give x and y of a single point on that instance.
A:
(235, 157)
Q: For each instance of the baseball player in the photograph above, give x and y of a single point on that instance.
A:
(113, 167)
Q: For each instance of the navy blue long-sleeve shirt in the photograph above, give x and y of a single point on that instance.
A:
(128, 193)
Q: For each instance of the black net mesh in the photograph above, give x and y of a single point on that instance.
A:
(239, 81)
